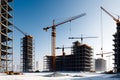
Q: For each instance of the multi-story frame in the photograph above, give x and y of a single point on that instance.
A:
(6, 35)
(27, 54)
(117, 48)
(79, 60)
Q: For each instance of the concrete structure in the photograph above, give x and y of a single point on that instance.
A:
(6, 36)
(100, 65)
(27, 54)
(79, 60)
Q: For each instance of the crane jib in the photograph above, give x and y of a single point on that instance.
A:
(117, 20)
(71, 19)
(65, 21)
(53, 37)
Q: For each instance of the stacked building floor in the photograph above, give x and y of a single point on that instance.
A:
(80, 59)
(117, 48)
(27, 54)
(6, 36)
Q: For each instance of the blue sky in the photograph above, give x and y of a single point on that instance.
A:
(33, 15)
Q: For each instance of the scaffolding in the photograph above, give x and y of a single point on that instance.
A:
(6, 36)
(27, 54)
(79, 60)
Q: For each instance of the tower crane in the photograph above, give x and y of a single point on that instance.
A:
(81, 38)
(63, 53)
(53, 34)
(104, 53)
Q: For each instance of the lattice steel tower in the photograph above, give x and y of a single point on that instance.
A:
(6, 35)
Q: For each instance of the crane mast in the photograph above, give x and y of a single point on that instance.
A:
(53, 35)
(53, 46)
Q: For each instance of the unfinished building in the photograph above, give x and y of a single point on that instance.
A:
(79, 60)
(117, 48)
(6, 35)
(27, 54)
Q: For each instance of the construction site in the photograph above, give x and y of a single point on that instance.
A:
(116, 42)
(80, 59)
(6, 41)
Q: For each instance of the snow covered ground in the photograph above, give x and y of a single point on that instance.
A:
(60, 76)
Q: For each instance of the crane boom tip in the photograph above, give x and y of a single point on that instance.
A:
(101, 7)
(45, 29)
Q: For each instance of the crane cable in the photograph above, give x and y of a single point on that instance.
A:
(101, 33)
(70, 28)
